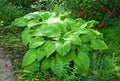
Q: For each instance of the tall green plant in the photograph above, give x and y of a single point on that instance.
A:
(54, 42)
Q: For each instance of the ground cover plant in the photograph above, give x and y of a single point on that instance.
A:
(54, 43)
(104, 64)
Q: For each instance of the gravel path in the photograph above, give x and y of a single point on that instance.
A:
(5, 67)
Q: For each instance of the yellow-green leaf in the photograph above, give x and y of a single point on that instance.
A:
(82, 63)
(21, 22)
(63, 47)
(35, 42)
(40, 54)
(26, 36)
(28, 58)
(97, 44)
(45, 64)
(34, 66)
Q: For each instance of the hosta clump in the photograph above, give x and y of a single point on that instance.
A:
(55, 42)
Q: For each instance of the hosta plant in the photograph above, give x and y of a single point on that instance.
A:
(55, 41)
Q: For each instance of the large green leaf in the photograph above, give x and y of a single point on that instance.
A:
(28, 58)
(35, 42)
(21, 22)
(71, 23)
(48, 30)
(34, 15)
(82, 63)
(96, 33)
(66, 26)
(26, 36)
(45, 50)
(40, 54)
(52, 31)
(61, 26)
(45, 15)
(63, 47)
(45, 64)
(84, 47)
(80, 31)
(89, 24)
(53, 20)
(64, 16)
(38, 31)
(87, 37)
(92, 23)
(97, 44)
(80, 21)
(49, 48)
(34, 66)
(74, 39)
(69, 57)
(33, 23)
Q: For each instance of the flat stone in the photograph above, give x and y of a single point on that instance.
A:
(3, 52)
(6, 70)
(6, 73)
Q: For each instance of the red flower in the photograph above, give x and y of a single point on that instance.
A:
(105, 10)
(102, 8)
(101, 25)
(109, 12)
(82, 13)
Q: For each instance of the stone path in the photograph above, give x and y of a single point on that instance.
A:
(5, 67)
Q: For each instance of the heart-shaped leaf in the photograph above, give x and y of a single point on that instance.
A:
(82, 63)
(34, 15)
(74, 39)
(35, 42)
(26, 36)
(21, 22)
(29, 57)
(40, 54)
(97, 44)
(34, 66)
(47, 30)
(45, 64)
(63, 47)
(32, 23)
(49, 48)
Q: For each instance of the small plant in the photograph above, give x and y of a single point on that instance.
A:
(54, 43)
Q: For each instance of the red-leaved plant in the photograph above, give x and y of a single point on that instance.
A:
(82, 13)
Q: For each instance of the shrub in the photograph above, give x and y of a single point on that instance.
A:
(8, 12)
(24, 3)
(54, 43)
